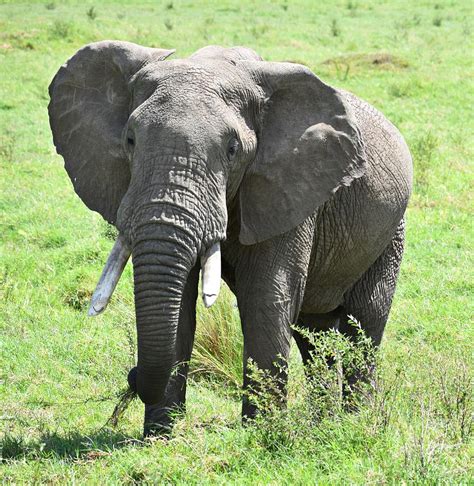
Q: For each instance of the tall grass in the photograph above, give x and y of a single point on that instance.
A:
(218, 347)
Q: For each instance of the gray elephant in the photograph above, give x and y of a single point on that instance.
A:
(295, 191)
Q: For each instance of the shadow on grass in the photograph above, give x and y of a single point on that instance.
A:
(68, 446)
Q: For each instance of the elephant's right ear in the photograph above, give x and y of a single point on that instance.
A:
(309, 145)
(89, 107)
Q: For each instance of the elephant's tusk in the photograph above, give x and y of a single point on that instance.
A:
(211, 274)
(110, 276)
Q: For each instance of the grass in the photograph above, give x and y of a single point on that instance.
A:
(61, 373)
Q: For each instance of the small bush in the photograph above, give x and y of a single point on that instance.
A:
(335, 361)
(335, 29)
(325, 395)
(92, 13)
(61, 29)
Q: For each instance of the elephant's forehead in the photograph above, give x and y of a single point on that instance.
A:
(221, 77)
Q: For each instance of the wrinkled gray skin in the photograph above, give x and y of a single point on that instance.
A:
(305, 185)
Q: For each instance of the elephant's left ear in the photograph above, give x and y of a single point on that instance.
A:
(309, 146)
(89, 108)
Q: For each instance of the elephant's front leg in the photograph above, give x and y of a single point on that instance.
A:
(270, 281)
(267, 334)
(159, 418)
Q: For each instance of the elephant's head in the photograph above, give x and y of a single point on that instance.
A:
(160, 149)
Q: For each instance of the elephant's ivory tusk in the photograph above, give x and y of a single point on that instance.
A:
(211, 274)
(110, 276)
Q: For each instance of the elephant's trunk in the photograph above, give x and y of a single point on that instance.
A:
(162, 259)
(172, 214)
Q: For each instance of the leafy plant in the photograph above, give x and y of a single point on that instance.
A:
(61, 29)
(326, 393)
(92, 13)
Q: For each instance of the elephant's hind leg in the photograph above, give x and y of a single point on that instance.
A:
(314, 323)
(159, 418)
(370, 299)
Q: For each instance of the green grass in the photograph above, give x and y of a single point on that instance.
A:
(60, 372)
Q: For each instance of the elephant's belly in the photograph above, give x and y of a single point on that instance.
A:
(326, 285)
(351, 233)
(325, 292)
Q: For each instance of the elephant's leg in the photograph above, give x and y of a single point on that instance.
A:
(266, 317)
(370, 299)
(270, 281)
(314, 323)
(159, 418)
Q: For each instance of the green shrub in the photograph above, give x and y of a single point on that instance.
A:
(92, 13)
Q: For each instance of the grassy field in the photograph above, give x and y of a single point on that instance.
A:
(60, 372)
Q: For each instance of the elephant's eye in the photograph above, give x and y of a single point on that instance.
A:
(232, 149)
(130, 139)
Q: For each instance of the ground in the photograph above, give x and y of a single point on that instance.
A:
(60, 372)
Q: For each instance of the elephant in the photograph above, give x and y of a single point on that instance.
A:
(226, 165)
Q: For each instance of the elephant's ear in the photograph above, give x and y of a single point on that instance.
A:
(89, 107)
(309, 146)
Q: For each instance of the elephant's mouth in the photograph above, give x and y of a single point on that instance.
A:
(120, 254)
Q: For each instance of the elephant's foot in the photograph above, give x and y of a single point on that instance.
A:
(162, 430)
(249, 411)
(159, 419)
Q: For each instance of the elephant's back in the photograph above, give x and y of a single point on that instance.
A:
(357, 223)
